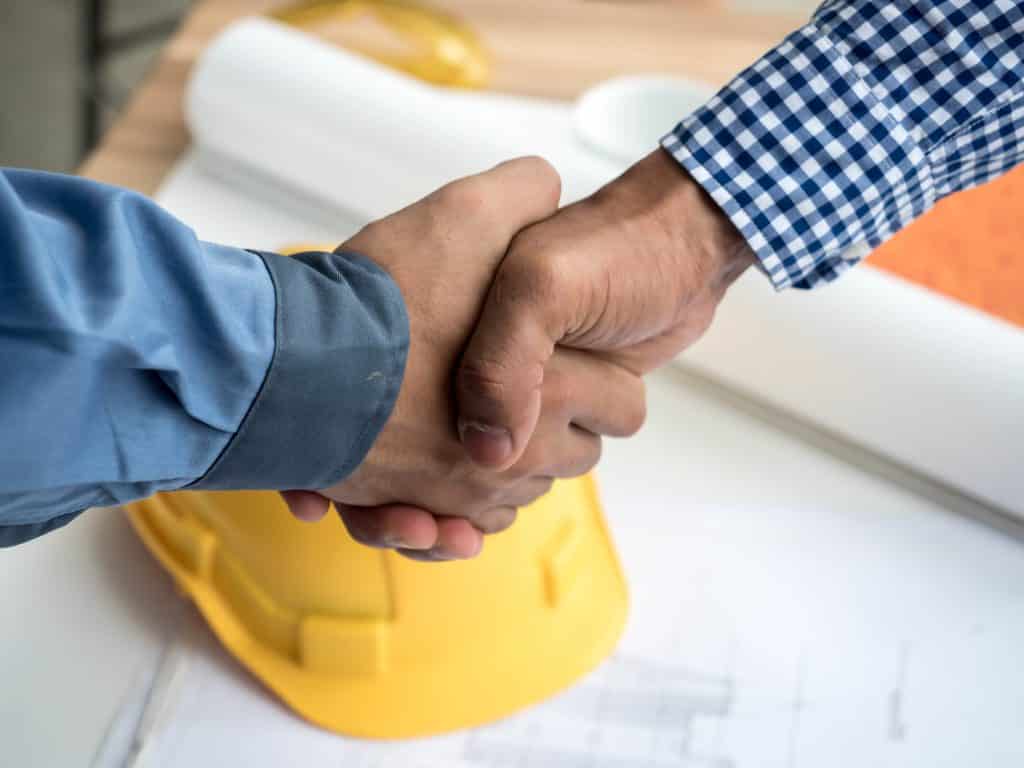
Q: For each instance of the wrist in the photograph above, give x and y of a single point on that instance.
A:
(675, 205)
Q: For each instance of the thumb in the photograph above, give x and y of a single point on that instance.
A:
(498, 384)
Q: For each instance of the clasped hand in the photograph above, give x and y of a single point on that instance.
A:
(530, 329)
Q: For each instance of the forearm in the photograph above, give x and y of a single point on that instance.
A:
(136, 358)
(857, 124)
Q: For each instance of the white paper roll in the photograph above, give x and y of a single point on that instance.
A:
(906, 373)
(357, 134)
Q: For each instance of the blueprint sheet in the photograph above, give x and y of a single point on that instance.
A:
(788, 611)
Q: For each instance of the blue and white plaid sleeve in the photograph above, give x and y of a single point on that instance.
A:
(857, 124)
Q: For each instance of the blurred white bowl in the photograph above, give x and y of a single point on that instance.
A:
(625, 117)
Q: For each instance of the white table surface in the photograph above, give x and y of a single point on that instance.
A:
(849, 622)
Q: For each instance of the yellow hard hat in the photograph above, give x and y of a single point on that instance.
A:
(439, 48)
(367, 643)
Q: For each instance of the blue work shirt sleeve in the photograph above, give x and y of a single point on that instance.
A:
(135, 358)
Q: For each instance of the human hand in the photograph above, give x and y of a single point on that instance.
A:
(417, 490)
(635, 271)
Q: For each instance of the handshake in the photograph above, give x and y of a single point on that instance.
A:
(530, 331)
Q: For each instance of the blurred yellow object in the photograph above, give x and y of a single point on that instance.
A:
(367, 643)
(447, 51)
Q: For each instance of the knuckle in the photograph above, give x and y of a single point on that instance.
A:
(581, 460)
(491, 490)
(479, 489)
(515, 281)
(550, 266)
(548, 180)
(559, 391)
(483, 378)
(556, 274)
(543, 486)
(519, 472)
(459, 198)
(540, 454)
(536, 286)
(525, 468)
(535, 275)
(528, 492)
(495, 520)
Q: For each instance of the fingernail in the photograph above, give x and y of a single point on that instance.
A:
(378, 541)
(428, 555)
(485, 443)
(395, 542)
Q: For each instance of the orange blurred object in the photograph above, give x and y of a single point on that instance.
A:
(970, 248)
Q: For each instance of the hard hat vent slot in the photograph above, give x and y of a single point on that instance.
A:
(268, 622)
(562, 563)
(348, 647)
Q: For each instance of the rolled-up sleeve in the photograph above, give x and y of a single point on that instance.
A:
(858, 123)
(136, 358)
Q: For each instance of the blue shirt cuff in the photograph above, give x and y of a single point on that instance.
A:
(342, 337)
(12, 535)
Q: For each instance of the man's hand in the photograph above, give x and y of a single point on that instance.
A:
(417, 490)
(634, 272)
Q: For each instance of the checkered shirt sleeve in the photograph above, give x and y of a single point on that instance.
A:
(856, 124)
